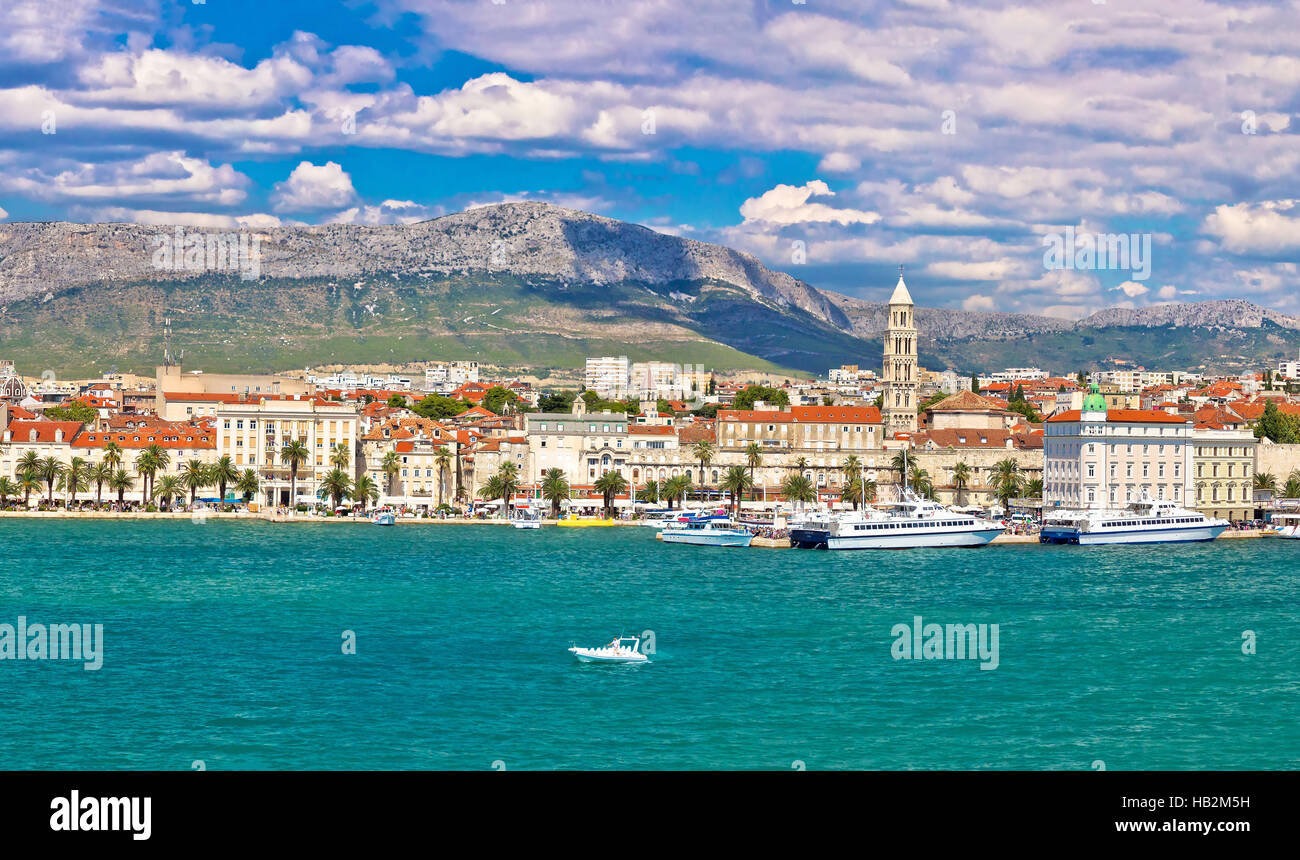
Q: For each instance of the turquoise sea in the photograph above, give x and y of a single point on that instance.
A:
(223, 639)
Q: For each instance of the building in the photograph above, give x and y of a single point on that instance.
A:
(582, 445)
(1097, 457)
(254, 431)
(609, 376)
(170, 378)
(900, 368)
(1223, 464)
(443, 376)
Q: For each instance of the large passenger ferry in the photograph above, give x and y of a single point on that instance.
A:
(911, 523)
(1145, 521)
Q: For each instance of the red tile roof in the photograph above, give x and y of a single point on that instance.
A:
(1132, 416)
(45, 431)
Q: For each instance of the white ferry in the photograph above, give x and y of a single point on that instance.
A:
(707, 532)
(1144, 521)
(912, 523)
(1284, 526)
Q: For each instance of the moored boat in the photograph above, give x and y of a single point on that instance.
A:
(707, 532)
(912, 523)
(1145, 521)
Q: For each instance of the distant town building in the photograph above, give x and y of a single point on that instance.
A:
(608, 376)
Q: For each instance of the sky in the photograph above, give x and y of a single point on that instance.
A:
(834, 140)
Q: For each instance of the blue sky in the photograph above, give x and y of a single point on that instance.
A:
(833, 140)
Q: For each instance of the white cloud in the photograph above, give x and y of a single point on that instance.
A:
(312, 186)
(979, 303)
(838, 162)
(1266, 227)
(1132, 289)
(788, 204)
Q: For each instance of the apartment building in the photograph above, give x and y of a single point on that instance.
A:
(253, 432)
(1223, 464)
(582, 445)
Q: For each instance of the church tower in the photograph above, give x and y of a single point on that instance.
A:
(898, 408)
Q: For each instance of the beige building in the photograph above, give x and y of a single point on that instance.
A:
(1223, 464)
(901, 374)
(582, 445)
(253, 432)
(173, 379)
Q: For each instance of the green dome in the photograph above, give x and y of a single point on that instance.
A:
(1094, 402)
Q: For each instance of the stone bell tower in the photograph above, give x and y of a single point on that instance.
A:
(898, 408)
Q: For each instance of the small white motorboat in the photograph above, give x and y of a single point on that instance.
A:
(384, 517)
(707, 532)
(624, 649)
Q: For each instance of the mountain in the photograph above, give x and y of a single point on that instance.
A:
(524, 284)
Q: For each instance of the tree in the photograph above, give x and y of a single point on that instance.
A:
(676, 488)
(335, 485)
(247, 484)
(396, 401)
(555, 489)
(29, 482)
(651, 492)
(1291, 490)
(1006, 480)
(75, 479)
(437, 406)
(73, 410)
(1034, 488)
(610, 485)
(1281, 427)
(146, 466)
(365, 490)
(442, 458)
(754, 458)
(391, 464)
(735, 482)
(169, 487)
(899, 462)
(223, 473)
(50, 470)
(1265, 481)
(340, 456)
(113, 455)
(852, 467)
(703, 451)
(120, 483)
(100, 473)
(194, 476)
(974, 383)
(855, 490)
(921, 483)
(7, 488)
(294, 454)
(499, 400)
(508, 472)
(961, 475)
(746, 398)
(797, 488)
(556, 401)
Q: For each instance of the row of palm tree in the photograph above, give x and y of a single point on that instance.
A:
(443, 458)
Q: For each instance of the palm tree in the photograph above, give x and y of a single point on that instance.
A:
(223, 473)
(112, 456)
(650, 492)
(100, 473)
(735, 482)
(7, 488)
(28, 481)
(442, 458)
(1292, 488)
(160, 458)
(336, 484)
(961, 475)
(75, 479)
(294, 454)
(677, 488)
(493, 488)
(508, 472)
(921, 483)
(852, 467)
(610, 485)
(120, 482)
(247, 484)
(868, 490)
(28, 462)
(555, 488)
(365, 490)
(50, 469)
(391, 465)
(800, 464)
(168, 488)
(900, 463)
(1034, 488)
(797, 488)
(703, 452)
(340, 456)
(195, 475)
(854, 491)
(146, 466)
(1006, 480)
(1265, 481)
(754, 457)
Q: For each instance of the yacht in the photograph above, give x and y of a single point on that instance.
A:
(911, 523)
(384, 517)
(707, 532)
(624, 649)
(1145, 521)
